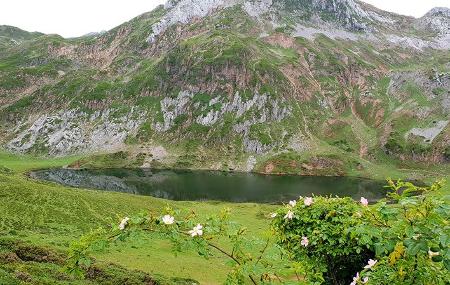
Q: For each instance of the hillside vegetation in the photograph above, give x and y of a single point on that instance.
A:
(278, 88)
(46, 218)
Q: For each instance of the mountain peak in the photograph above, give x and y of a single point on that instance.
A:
(438, 21)
(183, 11)
(348, 13)
(439, 12)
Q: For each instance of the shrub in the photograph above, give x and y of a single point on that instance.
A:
(331, 249)
(411, 238)
(405, 238)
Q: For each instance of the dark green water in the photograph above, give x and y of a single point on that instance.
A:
(211, 185)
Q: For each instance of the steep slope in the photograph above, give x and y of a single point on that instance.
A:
(311, 86)
(11, 36)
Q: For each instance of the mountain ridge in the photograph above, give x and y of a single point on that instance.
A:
(273, 90)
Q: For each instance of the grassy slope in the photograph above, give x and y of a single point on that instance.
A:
(51, 215)
(47, 214)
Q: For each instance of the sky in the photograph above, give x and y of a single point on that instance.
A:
(72, 18)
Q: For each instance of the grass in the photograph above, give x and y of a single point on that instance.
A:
(25, 163)
(50, 215)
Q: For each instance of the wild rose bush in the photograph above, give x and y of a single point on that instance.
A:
(410, 235)
(403, 239)
(315, 231)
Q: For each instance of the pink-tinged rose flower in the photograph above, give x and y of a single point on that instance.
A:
(308, 201)
(289, 215)
(304, 241)
(365, 280)
(364, 201)
(292, 203)
(370, 263)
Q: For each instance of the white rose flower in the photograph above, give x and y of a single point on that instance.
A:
(370, 263)
(168, 219)
(289, 215)
(196, 231)
(123, 223)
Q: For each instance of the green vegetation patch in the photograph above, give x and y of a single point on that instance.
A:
(22, 262)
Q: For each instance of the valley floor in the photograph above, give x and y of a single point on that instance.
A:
(49, 215)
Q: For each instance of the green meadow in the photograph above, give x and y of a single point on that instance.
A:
(51, 216)
(46, 218)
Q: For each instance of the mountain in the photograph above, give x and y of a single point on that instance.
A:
(10, 36)
(276, 86)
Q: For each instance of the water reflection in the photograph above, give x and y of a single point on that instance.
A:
(212, 185)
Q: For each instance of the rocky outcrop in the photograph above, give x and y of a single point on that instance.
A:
(73, 131)
(429, 134)
(172, 108)
(183, 11)
(261, 108)
(437, 21)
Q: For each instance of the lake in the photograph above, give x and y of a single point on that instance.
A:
(185, 185)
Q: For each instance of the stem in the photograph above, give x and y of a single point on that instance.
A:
(232, 257)
(377, 220)
(263, 251)
(405, 214)
(279, 279)
(220, 250)
(224, 252)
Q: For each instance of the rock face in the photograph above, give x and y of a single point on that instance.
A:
(429, 134)
(348, 12)
(184, 11)
(438, 21)
(75, 132)
(268, 110)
